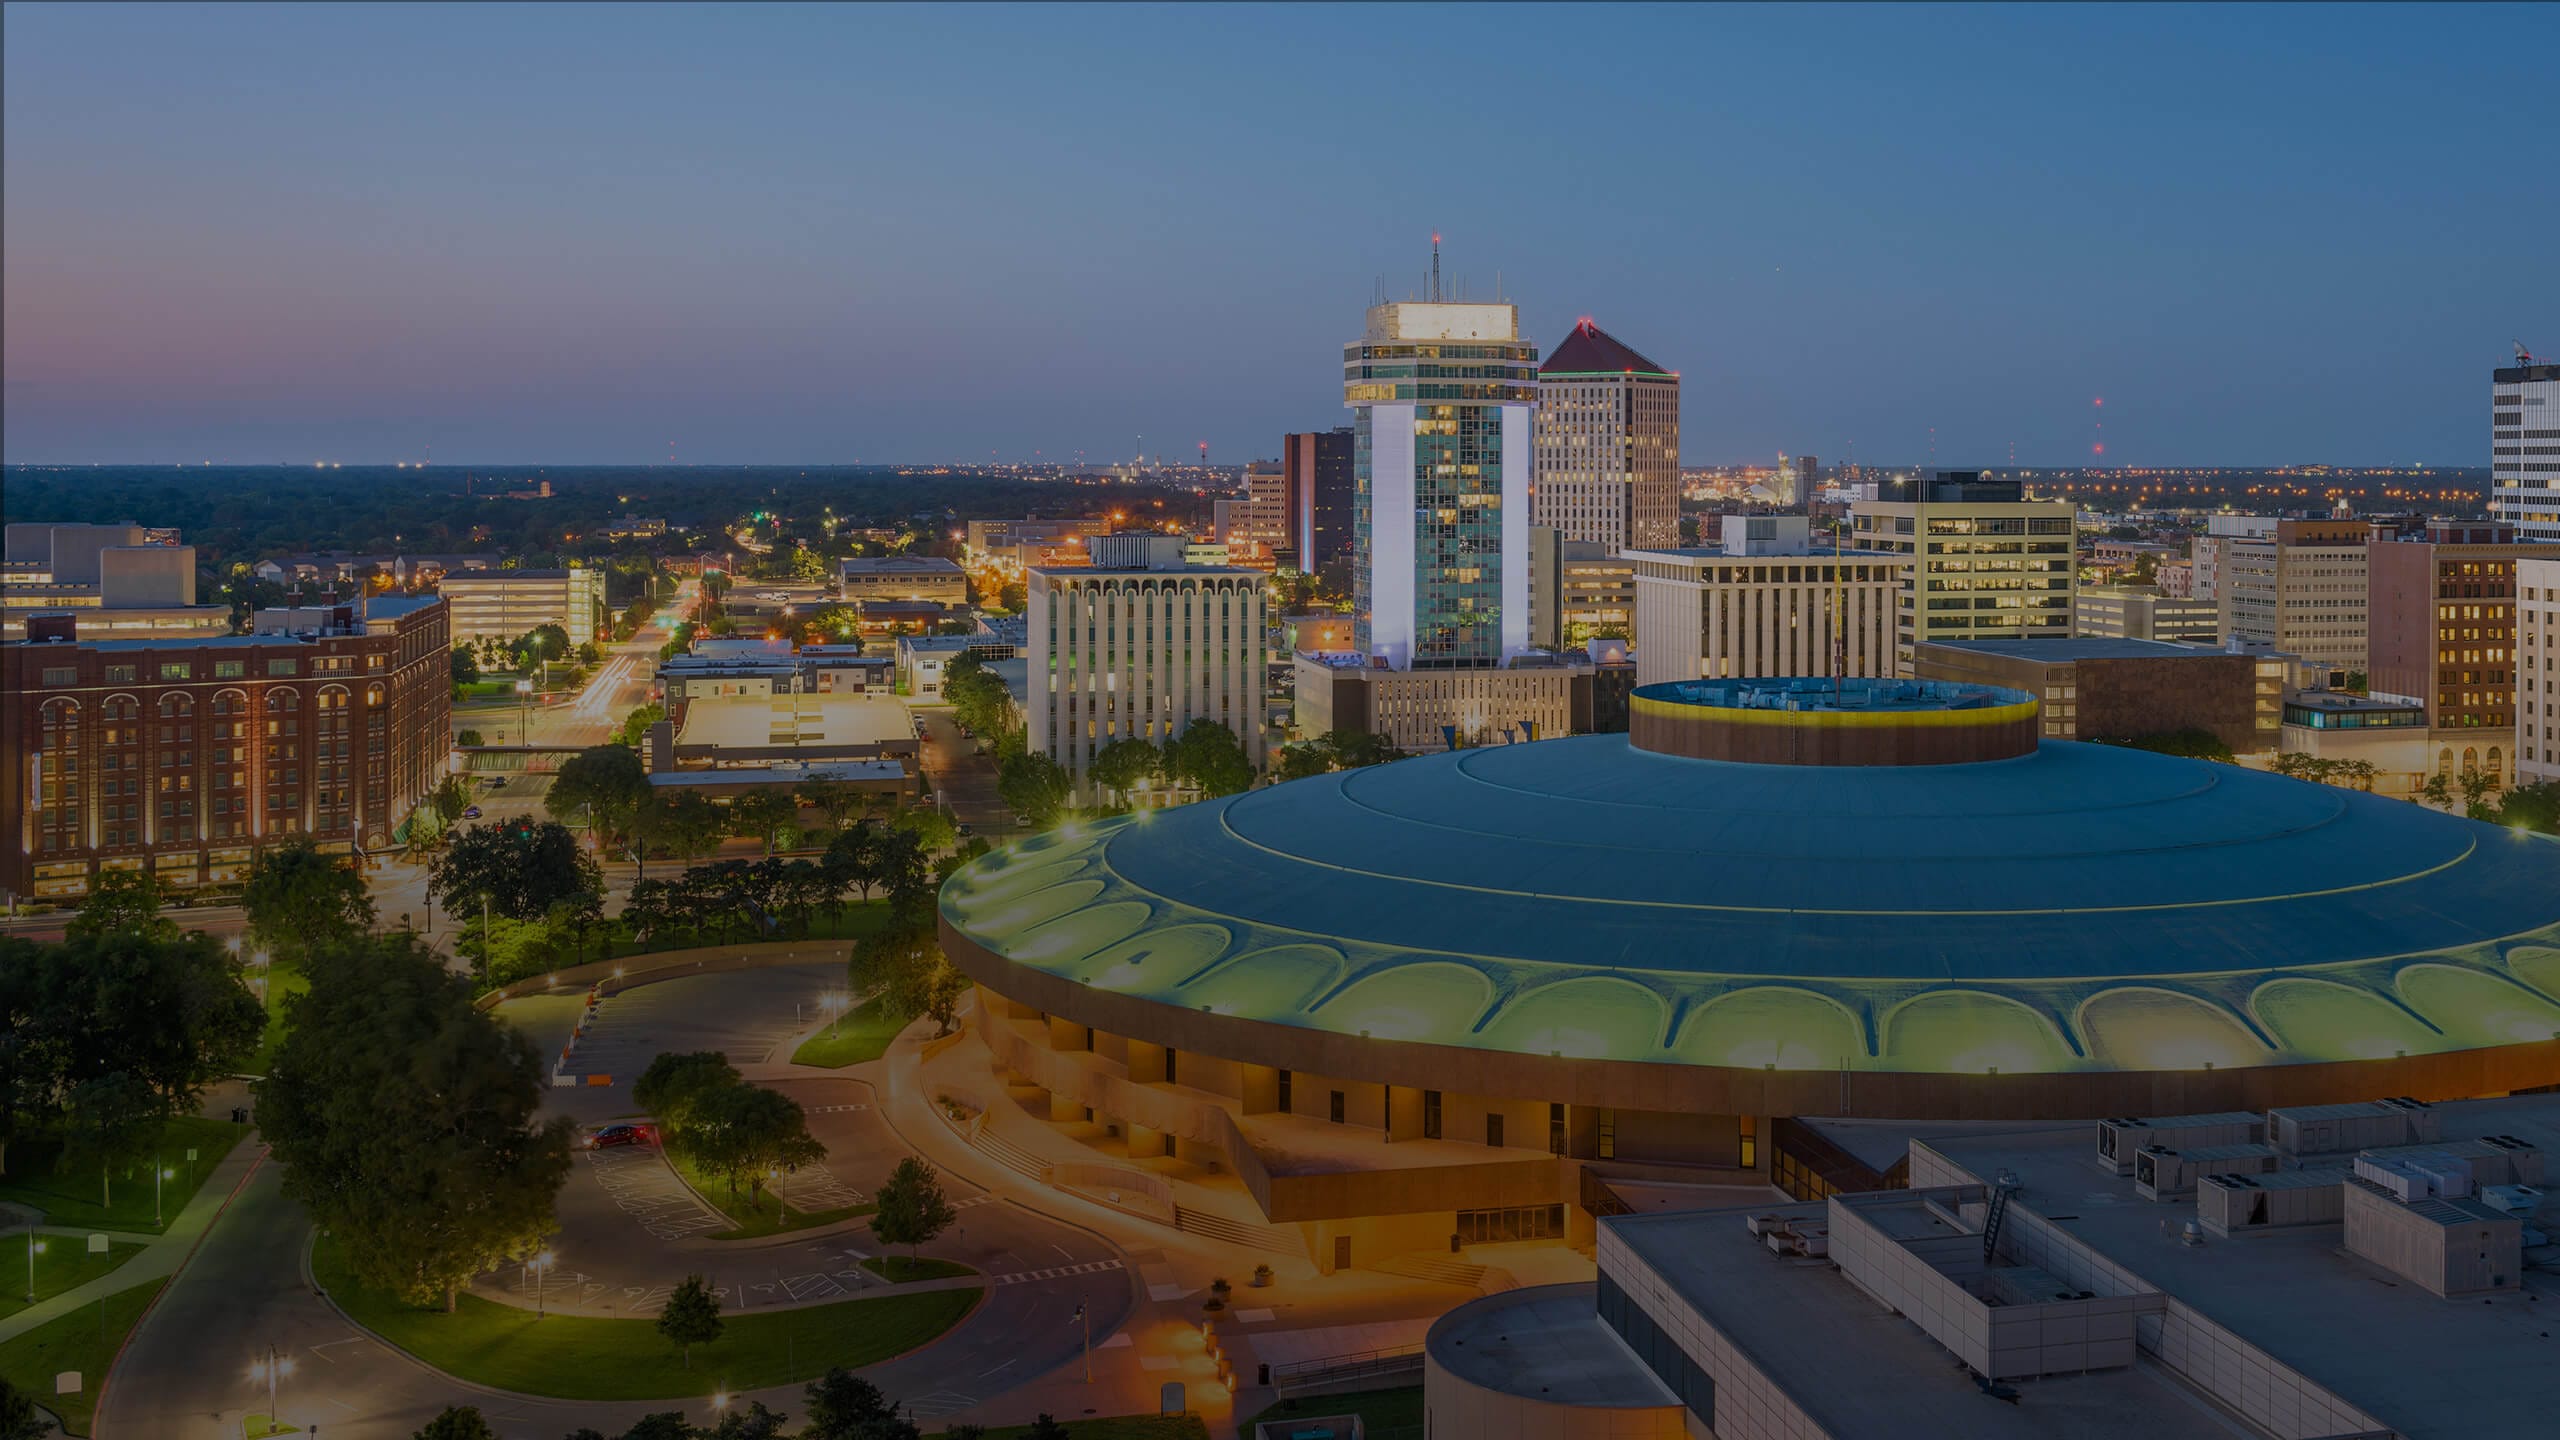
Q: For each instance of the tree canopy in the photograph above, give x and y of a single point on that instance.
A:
(1034, 786)
(1208, 756)
(911, 1206)
(603, 785)
(409, 1122)
(523, 869)
(303, 903)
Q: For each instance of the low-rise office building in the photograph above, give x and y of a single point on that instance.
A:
(1765, 601)
(2016, 1290)
(904, 577)
(506, 605)
(2144, 612)
(183, 757)
(2444, 625)
(2386, 732)
(1578, 590)
(1982, 559)
(2095, 689)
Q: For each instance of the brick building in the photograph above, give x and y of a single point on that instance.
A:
(2112, 689)
(2442, 616)
(186, 755)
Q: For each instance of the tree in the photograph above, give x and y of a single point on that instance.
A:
(588, 654)
(2356, 683)
(2437, 790)
(1124, 765)
(465, 668)
(123, 902)
(765, 815)
(466, 739)
(751, 1421)
(1045, 1427)
(19, 1420)
(844, 1406)
(635, 726)
(541, 645)
(523, 869)
(457, 1422)
(449, 799)
(894, 962)
(676, 1082)
(2475, 787)
(1208, 755)
(853, 858)
(1304, 760)
(660, 1425)
(745, 1132)
(1034, 786)
(605, 785)
(1353, 749)
(837, 800)
(409, 1122)
(912, 1208)
(933, 830)
(2532, 807)
(690, 1317)
(302, 903)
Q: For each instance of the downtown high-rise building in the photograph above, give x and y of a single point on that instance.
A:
(1608, 458)
(1321, 500)
(1982, 559)
(1444, 397)
(2524, 448)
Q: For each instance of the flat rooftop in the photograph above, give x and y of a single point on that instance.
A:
(822, 720)
(1859, 1369)
(1546, 1343)
(787, 773)
(900, 565)
(1883, 697)
(2059, 651)
(2469, 1366)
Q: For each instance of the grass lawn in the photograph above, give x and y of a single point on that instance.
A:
(862, 1033)
(767, 1217)
(70, 1196)
(1383, 1413)
(1112, 1427)
(898, 1269)
(87, 1340)
(284, 980)
(577, 1357)
(65, 1264)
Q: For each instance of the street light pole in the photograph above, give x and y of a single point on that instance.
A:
(484, 928)
(35, 1247)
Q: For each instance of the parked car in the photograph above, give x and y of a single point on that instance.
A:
(470, 812)
(605, 1137)
(498, 782)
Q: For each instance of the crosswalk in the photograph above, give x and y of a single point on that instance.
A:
(1057, 1272)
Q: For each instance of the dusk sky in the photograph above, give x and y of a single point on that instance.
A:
(804, 234)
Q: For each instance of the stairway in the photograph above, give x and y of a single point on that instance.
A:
(1270, 1239)
(1439, 1269)
(1011, 1156)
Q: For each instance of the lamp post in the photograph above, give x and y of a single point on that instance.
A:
(484, 928)
(159, 1172)
(35, 1247)
(269, 1370)
(540, 1265)
(524, 710)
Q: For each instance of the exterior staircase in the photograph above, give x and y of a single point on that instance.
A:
(1439, 1269)
(1270, 1239)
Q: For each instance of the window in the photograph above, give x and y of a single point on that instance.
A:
(1658, 1350)
(1555, 1128)
(1430, 1114)
(1284, 1092)
(62, 675)
(1750, 1143)
(282, 667)
(230, 669)
(1337, 1107)
(121, 674)
(1493, 1130)
(176, 670)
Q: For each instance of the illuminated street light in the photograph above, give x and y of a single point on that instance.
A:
(270, 1370)
(35, 1247)
(539, 1266)
(159, 1172)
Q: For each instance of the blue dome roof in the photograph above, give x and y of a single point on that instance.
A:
(2094, 887)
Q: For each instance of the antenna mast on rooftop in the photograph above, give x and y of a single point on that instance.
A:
(1435, 267)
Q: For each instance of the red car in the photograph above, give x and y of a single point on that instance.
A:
(607, 1136)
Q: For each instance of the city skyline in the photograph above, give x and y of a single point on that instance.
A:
(777, 237)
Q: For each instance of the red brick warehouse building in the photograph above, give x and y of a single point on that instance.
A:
(184, 756)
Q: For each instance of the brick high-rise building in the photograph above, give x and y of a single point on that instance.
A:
(2442, 625)
(184, 756)
(1608, 445)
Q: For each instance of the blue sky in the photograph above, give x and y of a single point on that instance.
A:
(834, 234)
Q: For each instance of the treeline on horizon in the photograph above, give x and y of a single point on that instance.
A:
(248, 513)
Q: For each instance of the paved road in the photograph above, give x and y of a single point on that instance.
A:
(964, 779)
(185, 1374)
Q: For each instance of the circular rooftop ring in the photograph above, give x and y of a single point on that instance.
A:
(2076, 908)
(1833, 722)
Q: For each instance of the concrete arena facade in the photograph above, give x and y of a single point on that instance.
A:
(1637, 961)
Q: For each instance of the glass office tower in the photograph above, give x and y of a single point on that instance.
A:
(1444, 396)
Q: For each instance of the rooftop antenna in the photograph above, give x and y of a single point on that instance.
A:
(1435, 267)
(2523, 356)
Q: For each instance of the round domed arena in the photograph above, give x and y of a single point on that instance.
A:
(1776, 898)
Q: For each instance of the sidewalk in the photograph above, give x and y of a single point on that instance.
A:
(164, 1253)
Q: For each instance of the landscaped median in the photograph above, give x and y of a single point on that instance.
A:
(752, 1218)
(577, 1357)
(863, 1034)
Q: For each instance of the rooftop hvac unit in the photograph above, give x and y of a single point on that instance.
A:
(2521, 1201)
